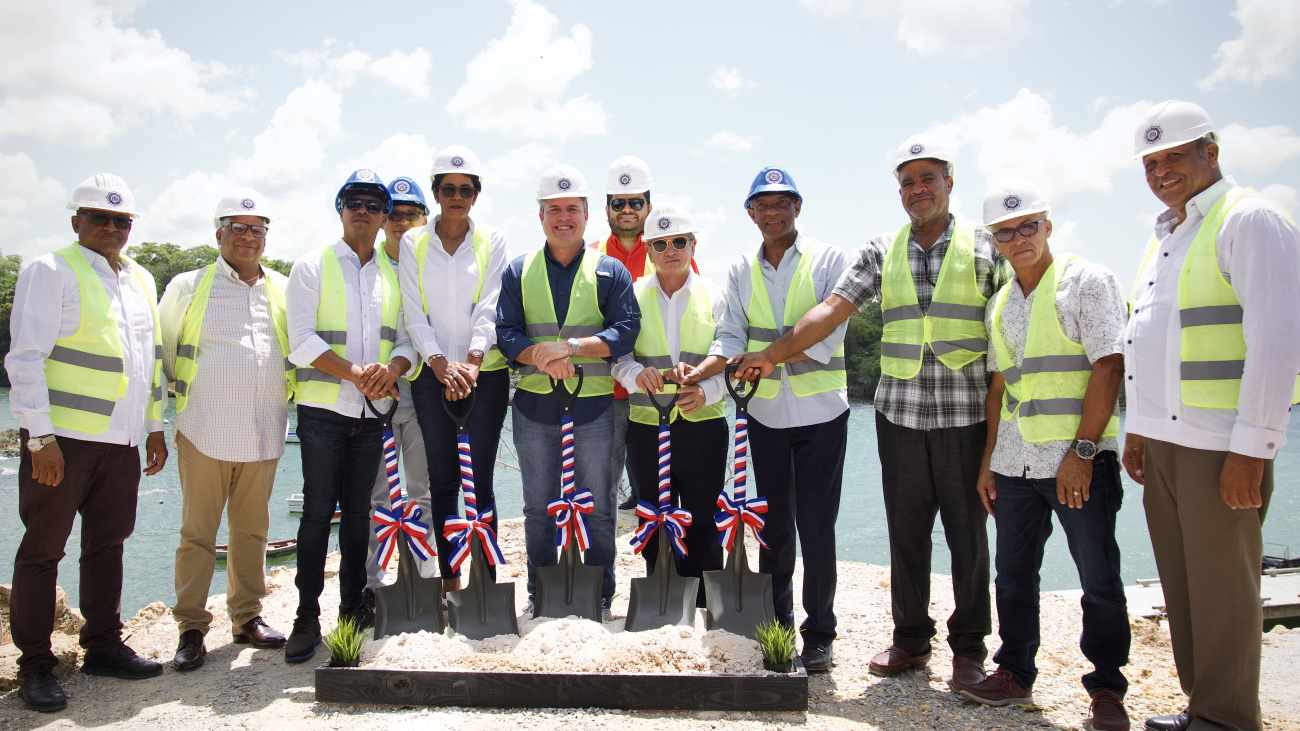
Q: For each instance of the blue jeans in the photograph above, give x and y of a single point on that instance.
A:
(539, 462)
(340, 456)
(1023, 515)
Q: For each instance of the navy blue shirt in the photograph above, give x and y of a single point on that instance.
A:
(614, 296)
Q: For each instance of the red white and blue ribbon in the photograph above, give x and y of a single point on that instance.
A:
(460, 531)
(737, 511)
(400, 517)
(574, 505)
(673, 520)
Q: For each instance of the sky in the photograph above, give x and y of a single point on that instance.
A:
(187, 100)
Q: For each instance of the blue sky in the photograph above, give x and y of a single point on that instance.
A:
(187, 100)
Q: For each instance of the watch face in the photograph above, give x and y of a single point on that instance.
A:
(1085, 449)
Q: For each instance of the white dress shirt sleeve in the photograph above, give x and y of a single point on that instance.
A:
(150, 288)
(715, 386)
(402, 345)
(732, 333)
(41, 298)
(826, 274)
(301, 302)
(626, 369)
(423, 337)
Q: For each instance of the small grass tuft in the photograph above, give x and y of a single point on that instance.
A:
(345, 641)
(776, 641)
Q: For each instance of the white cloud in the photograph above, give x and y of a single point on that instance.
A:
(405, 71)
(1256, 149)
(292, 148)
(520, 166)
(731, 142)
(1266, 48)
(938, 26)
(22, 191)
(72, 75)
(1283, 195)
(729, 80)
(401, 155)
(514, 86)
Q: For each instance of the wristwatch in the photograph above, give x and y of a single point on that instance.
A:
(573, 344)
(475, 353)
(35, 443)
(1085, 448)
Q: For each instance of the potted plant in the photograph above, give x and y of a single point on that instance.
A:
(345, 644)
(777, 643)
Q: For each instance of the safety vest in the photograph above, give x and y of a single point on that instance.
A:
(493, 360)
(646, 269)
(85, 372)
(1213, 343)
(953, 326)
(651, 350)
(584, 320)
(1045, 394)
(807, 377)
(332, 324)
(187, 365)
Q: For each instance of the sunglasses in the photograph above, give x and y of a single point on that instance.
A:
(355, 204)
(121, 223)
(409, 216)
(618, 203)
(239, 229)
(449, 191)
(1026, 229)
(661, 245)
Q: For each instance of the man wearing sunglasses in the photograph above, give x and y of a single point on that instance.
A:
(85, 366)
(1055, 351)
(225, 341)
(350, 345)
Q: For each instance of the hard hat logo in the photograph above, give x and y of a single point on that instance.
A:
(1153, 134)
(248, 204)
(916, 149)
(402, 186)
(774, 176)
(625, 179)
(114, 198)
(457, 162)
(365, 175)
(1011, 202)
(665, 223)
(563, 184)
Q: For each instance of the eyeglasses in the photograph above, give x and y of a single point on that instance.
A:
(239, 229)
(121, 223)
(618, 203)
(355, 204)
(409, 217)
(449, 191)
(661, 245)
(1026, 229)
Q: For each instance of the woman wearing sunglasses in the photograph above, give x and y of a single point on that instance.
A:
(451, 277)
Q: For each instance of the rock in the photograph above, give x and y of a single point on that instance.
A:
(66, 619)
(4, 615)
(65, 648)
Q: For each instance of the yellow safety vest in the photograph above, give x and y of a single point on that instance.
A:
(807, 377)
(953, 326)
(187, 365)
(1045, 394)
(583, 320)
(332, 324)
(85, 372)
(493, 360)
(651, 350)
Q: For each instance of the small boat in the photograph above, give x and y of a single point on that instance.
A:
(294, 502)
(274, 549)
(290, 435)
(1280, 559)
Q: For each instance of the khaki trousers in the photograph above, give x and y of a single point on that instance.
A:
(1209, 558)
(243, 490)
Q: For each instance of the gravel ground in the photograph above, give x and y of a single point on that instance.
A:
(241, 687)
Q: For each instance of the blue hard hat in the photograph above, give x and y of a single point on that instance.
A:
(406, 190)
(772, 180)
(364, 180)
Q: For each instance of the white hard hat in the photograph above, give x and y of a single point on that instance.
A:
(922, 147)
(1170, 124)
(1013, 199)
(241, 202)
(562, 181)
(457, 159)
(668, 220)
(628, 175)
(104, 192)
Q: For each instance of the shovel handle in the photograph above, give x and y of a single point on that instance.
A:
(385, 419)
(461, 418)
(562, 391)
(742, 399)
(665, 412)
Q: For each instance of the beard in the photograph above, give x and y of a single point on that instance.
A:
(626, 231)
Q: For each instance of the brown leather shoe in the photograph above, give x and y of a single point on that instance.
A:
(998, 689)
(190, 652)
(1106, 713)
(966, 673)
(894, 661)
(257, 633)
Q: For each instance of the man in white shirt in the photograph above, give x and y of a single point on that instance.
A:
(1212, 360)
(86, 375)
(225, 341)
(349, 344)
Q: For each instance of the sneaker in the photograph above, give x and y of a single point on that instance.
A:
(606, 613)
(368, 596)
(41, 692)
(998, 689)
(528, 610)
(302, 640)
(364, 616)
(119, 661)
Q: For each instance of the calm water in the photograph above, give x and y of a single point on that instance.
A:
(860, 532)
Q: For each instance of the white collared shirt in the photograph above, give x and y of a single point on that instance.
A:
(1259, 255)
(47, 306)
(363, 287)
(239, 361)
(671, 309)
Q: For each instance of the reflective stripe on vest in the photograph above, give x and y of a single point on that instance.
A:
(584, 319)
(1045, 394)
(807, 377)
(332, 323)
(187, 366)
(953, 326)
(493, 360)
(651, 350)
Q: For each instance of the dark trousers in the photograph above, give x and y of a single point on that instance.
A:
(100, 481)
(924, 473)
(491, 400)
(1023, 515)
(340, 458)
(699, 469)
(799, 470)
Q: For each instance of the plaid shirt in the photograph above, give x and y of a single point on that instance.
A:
(937, 397)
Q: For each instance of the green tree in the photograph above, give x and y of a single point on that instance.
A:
(165, 261)
(9, 266)
(862, 351)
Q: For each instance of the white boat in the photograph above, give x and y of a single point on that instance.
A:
(294, 502)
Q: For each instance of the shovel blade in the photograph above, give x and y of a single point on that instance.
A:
(409, 605)
(569, 588)
(652, 605)
(737, 613)
(485, 608)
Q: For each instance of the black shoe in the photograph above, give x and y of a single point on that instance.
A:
(628, 504)
(364, 616)
(1172, 722)
(190, 652)
(302, 640)
(816, 657)
(119, 661)
(41, 692)
(368, 596)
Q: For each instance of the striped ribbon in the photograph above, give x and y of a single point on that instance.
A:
(460, 531)
(574, 505)
(737, 511)
(400, 517)
(674, 520)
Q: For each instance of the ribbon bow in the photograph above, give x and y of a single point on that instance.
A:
(737, 511)
(674, 520)
(573, 506)
(460, 531)
(400, 517)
